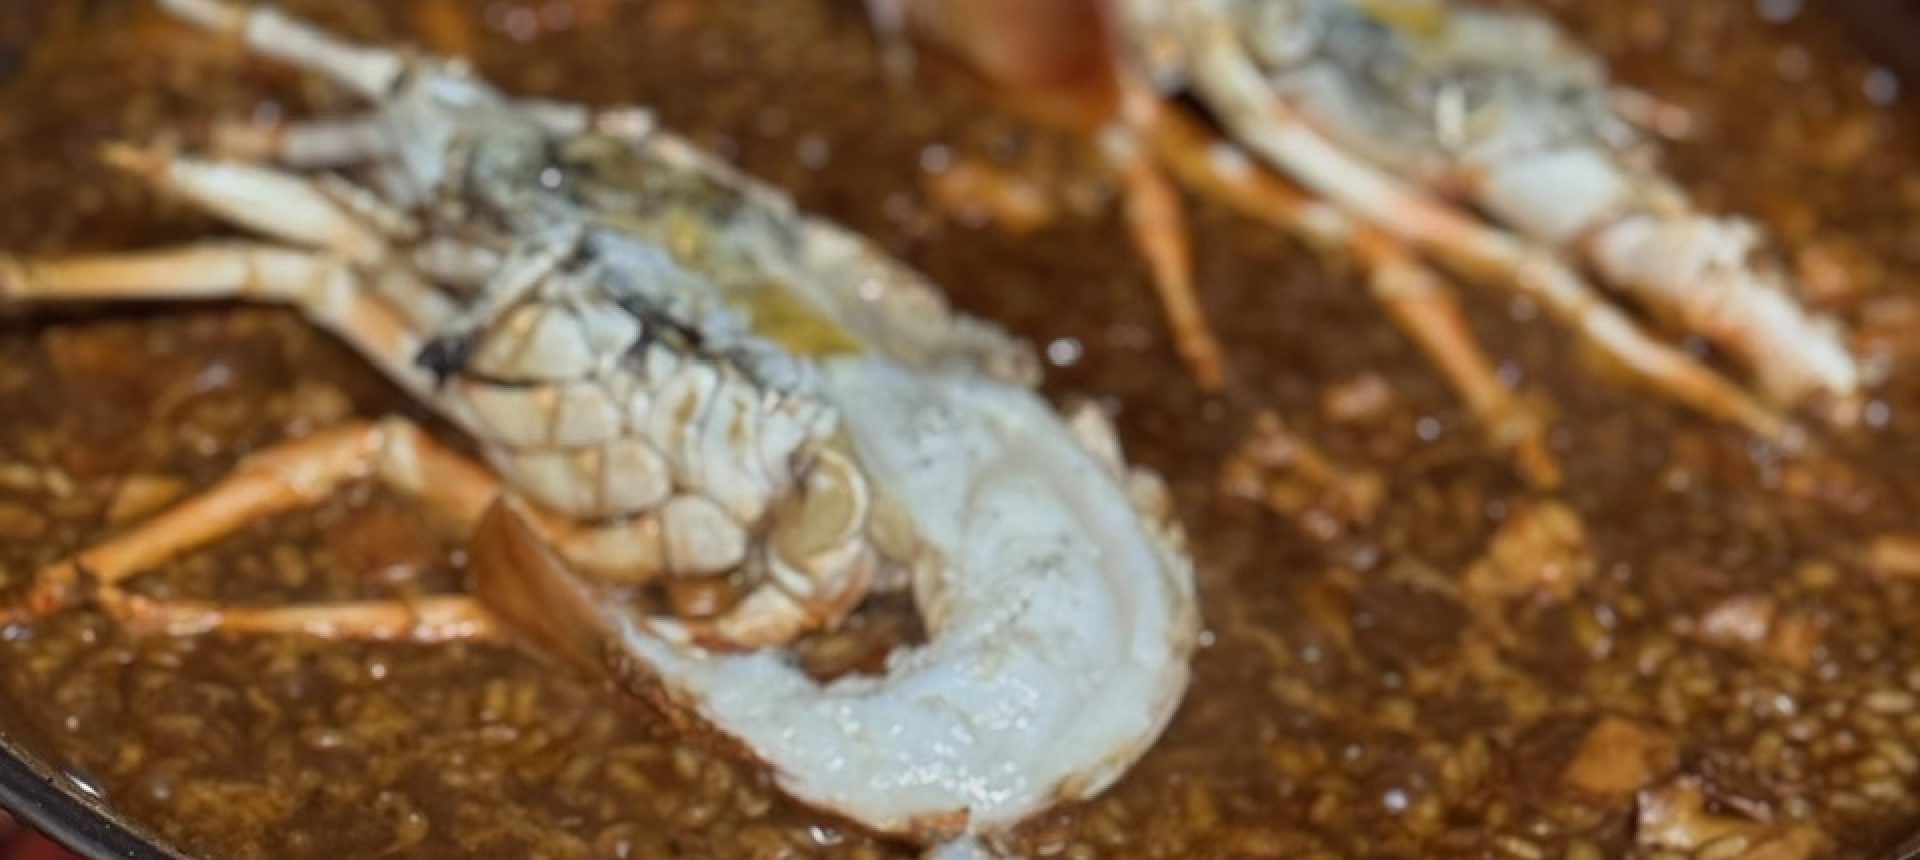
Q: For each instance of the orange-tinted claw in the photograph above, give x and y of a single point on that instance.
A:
(525, 584)
(1053, 59)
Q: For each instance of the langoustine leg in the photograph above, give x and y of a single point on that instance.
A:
(1425, 308)
(290, 476)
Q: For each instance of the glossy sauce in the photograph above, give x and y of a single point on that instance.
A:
(1347, 703)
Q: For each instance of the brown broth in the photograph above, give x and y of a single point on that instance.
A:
(1340, 708)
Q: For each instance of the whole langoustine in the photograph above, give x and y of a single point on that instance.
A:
(673, 376)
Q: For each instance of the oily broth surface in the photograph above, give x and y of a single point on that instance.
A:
(1338, 707)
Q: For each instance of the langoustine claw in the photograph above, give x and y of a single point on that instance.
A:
(672, 375)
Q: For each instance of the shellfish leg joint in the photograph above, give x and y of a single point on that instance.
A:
(671, 373)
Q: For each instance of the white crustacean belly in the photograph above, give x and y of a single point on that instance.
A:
(1059, 629)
